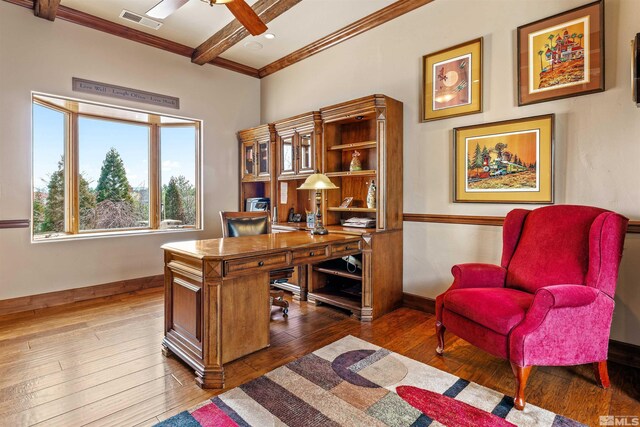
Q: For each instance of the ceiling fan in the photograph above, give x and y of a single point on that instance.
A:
(239, 8)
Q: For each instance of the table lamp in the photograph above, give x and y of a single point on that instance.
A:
(318, 181)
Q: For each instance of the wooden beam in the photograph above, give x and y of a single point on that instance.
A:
(232, 33)
(634, 226)
(90, 21)
(365, 24)
(46, 9)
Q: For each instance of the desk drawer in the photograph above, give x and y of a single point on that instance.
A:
(256, 263)
(310, 254)
(346, 248)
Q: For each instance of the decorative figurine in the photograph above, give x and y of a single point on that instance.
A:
(355, 162)
(371, 195)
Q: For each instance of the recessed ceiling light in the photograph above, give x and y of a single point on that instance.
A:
(270, 36)
(252, 45)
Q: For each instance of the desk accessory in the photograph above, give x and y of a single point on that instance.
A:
(318, 182)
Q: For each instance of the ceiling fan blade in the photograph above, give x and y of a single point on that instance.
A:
(247, 17)
(165, 8)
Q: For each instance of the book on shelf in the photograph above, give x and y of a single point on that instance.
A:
(360, 222)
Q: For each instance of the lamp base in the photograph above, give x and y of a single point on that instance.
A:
(320, 231)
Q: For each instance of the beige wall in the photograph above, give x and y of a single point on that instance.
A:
(36, 54)
(597, 147)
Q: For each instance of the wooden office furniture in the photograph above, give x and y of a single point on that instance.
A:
(256, 162)
(373, 126)
(217, 293)
(238, 224)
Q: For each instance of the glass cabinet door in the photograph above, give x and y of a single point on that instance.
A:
(247, 160)
(263, 158)
(306, 154)
(286, 156)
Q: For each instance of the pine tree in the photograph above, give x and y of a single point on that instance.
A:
(477, 157)
(87, 205)
(188, 196)
(113, 184)
(38, 211)
(173, 207)
(54, 208)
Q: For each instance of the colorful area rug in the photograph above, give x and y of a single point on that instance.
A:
(355, 383)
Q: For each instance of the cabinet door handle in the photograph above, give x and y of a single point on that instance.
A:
(311, 253)
(260, 263)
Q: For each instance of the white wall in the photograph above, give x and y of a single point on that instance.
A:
(39, 55)
(597, 146)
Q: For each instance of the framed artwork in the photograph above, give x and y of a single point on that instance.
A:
(635, 70)
(452, 81)
(505, 162)
(562, 56)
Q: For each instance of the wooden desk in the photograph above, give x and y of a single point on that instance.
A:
(217, 293)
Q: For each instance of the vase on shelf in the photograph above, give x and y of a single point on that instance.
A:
(371, 195)
(355, 164)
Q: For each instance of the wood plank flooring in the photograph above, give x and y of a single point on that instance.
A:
(98, 363)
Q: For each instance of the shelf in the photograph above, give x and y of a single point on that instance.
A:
(355, 146)
(374, 210)
(335, 272)
(331, 297)
(351, 173)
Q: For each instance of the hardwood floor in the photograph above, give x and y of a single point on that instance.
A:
(98, 363)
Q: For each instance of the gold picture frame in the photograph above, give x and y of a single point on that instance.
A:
(505, 162)
(562, 56)
(452, 81)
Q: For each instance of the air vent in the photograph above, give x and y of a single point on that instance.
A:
(139, 19)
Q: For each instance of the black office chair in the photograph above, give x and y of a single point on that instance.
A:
(237, 224)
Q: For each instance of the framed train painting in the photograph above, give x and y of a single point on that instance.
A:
(562, 56)
(505, 162)
(452, 81)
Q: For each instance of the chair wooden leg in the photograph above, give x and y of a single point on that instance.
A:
(522, 375)
(602, 373)
(440, 333)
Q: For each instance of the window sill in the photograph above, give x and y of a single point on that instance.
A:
(107, 234)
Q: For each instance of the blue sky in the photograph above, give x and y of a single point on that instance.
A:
(98, 136)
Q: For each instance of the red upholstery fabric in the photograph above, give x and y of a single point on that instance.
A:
(478, 335)
(499, 309)
(551, 300)
(511, 230)
(553, 248)
(559, 336)
(477, 276)
(605, 252)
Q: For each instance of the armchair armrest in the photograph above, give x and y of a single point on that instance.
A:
(558, 296)
(565, 325)
(476, 275)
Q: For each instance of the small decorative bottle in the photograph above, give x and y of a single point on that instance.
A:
(355, 162)
(371, 195)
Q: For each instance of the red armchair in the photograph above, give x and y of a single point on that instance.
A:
(550, 302)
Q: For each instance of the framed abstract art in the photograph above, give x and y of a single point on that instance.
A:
(452, 81)
(562, 56)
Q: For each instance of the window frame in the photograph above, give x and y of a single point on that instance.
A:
(72, 169)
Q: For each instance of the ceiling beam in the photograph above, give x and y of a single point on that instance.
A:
(232, 33)
(386, 14)
(86, 20)
(46, 9)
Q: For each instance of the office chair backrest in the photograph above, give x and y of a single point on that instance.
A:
(236, 224)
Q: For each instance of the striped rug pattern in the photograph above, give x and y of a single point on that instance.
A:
(354, 383)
